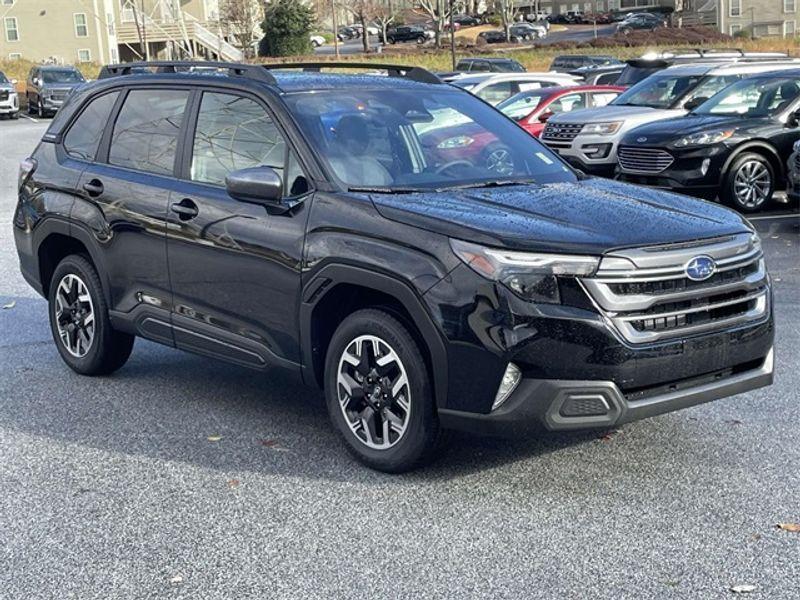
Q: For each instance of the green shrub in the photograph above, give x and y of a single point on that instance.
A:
(287, 27)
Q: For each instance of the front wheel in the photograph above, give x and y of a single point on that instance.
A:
(379, 393)
(749, 183)
(79, 320)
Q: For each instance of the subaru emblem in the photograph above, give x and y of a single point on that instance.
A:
(700, 268)
(641, 140)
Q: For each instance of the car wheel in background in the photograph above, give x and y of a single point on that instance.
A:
(497, 158)
(749, 183)
(379, 393)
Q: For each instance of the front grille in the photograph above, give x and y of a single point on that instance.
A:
(561, 132)
(643, 160)
(647, 295)
(58, 96)
(3, 95)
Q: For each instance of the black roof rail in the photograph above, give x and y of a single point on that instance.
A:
(407, 72)
(255, 72)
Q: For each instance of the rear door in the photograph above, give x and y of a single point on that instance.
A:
(235, 268)
(127, 192)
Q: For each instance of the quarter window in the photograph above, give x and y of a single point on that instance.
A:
(12, 31)
(146, 132)
(83, 137)
(234, 133)
(81, 28)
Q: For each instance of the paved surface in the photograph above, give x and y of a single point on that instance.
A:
(110, 488)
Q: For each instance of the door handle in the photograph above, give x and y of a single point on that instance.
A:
(94, 187)
(185, 209)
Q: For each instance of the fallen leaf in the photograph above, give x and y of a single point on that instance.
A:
(609, 435)
(755, 537)
(176, 579)
(214, 438)
(793, 527)
(11, 304)
(233, 483)
(743, 588)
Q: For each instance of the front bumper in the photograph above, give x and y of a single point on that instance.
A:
(578, 153)
(9, 105)
(558, 405)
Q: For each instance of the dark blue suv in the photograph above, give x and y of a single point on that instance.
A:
(392, 240)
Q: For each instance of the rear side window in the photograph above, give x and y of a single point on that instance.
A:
(83, 137)
(145, 135)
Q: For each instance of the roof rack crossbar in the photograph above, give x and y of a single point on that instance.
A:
(172, 66)
(407, 72)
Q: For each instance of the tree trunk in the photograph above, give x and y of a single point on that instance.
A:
(364, 34)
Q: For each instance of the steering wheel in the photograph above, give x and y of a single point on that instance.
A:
(454, 163)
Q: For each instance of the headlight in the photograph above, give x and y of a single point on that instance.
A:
(460, 141)
(601, 128)
(531, 276)
(704, 138)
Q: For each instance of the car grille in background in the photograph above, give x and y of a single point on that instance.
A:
(562, 132)
(58, 96)
(643, 160)
(647, 296)
(3, 95)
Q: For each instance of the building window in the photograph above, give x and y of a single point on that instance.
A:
(12, 31)
(15, 56)
(81, 28)
(736, 28)
(789, 6)
(85, 55)
(8, 2)
(736, 8)
(110, 24)
(788, 28)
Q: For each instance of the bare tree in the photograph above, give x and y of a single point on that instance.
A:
(242, 18)
(369, 11)
(383, 16)
(437, 11)
(508, 13)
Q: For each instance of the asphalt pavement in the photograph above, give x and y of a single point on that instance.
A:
(181, 477)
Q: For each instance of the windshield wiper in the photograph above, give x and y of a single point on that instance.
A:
(491, 184)
(387, 190)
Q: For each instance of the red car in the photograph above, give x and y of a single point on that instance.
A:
(532, 108)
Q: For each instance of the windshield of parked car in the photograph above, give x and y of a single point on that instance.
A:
(398, 140)
(510, 66)
(3, 78)
(753, 98)
(61, 76)
(521, 105)
(658, 91)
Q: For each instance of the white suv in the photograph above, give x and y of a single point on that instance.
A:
(588, 138)
(496, 87)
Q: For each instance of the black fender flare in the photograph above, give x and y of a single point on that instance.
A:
(331, 275)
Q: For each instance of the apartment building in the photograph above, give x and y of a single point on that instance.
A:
(103, 31)
(758, 18)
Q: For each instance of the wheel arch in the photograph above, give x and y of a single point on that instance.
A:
(765, 149)
(337, 290)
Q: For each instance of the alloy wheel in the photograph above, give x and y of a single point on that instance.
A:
(752, 184)
(374, 392)
(499, 161)
(75, 317)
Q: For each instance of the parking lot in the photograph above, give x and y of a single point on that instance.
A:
(181, 477)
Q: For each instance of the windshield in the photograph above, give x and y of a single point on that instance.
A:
(753, 98)
(521, 105)
(511, 66)
(61, 76)
(3, 78)
(658, 91)
(408, 139)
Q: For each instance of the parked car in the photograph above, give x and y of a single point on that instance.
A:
(496, 87)
(466, 20)
(317, 41)
(589, 138)
(493, 36)
(48, 86)
(410, 33)
(533, 108)
(793, 178)
(569, 62)
(599, 75)
(732, 146)
(420, 295)
(644, 21)
(526, 32)
(9, 100)
(482, 64)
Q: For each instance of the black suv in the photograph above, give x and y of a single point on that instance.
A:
(48, 86)
(733, 146)
(407, 34)
(393, 240)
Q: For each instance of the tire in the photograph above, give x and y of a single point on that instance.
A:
(40, 110)
(31, 109)
(421, 40)
(371, 335)
(15, 115)
(107, 350)
(392, 40)
(750, 171)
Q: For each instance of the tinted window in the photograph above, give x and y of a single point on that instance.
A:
(61, 76)
(607, 79)
(659, 91)
(83, 137)
(234, 133)
(146, 132)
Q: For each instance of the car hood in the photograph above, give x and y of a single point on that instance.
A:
(614, 113)
(592, 216)
(676, 128)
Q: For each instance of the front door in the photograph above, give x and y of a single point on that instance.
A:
(234, 267)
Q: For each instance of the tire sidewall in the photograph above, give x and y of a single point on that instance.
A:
(422, 425)
(730, 190)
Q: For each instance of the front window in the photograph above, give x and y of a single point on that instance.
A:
(754, 98)
(658, 92)
(12, 31)
(401, 140)
(81, 28)
(62, 76)
(521, 105)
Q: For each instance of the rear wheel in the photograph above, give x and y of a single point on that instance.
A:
(379, 393)
(79, 320)
(749, 183)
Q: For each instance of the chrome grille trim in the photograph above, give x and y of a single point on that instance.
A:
(562, 132)
(642, 313)
(643, 160)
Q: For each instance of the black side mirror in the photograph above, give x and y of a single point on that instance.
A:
(695, 102)
(259, 185)
(793, 120)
